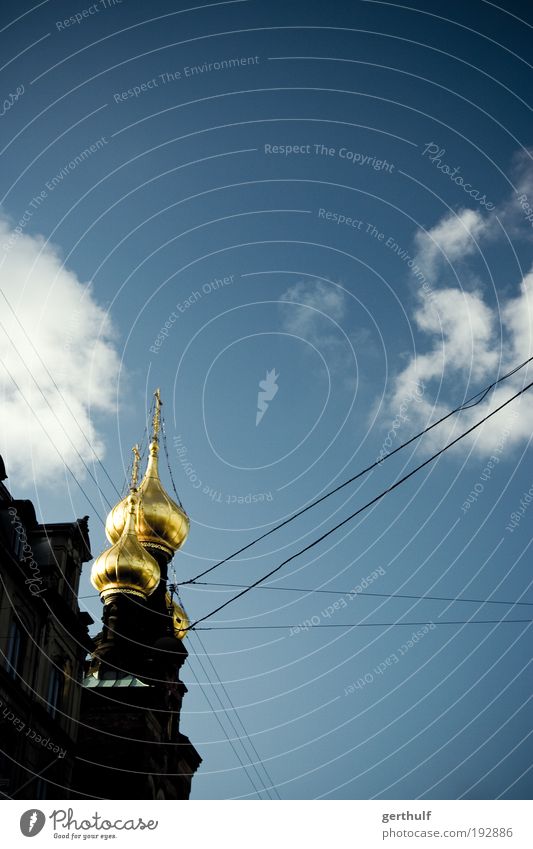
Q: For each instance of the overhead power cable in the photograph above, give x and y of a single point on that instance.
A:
(363, 593)
(466, 405)
(51, 376)
(305, 626)
(76, 481)
(272, 786)
(226, 735)
(351, 592)
(365, 506)
(56, 417)
(142, 448)
(165, 447)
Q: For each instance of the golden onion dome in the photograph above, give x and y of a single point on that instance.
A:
(116, 519)
(126, 567)
(161, 523)
(180, 620)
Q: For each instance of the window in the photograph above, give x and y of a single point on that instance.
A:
(40, 789)
(54, 698)
(15, 650)
(6, 773)
(18, 544)
(69, 585)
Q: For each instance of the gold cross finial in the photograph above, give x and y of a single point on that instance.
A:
(135, 468)
(157, 415)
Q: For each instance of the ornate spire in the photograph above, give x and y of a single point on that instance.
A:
(156, 421)
(161, 523)
(135, 468)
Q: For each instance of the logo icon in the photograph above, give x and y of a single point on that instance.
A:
(267, 390)
(32, 822)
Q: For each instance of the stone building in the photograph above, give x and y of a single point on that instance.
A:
(43, 644)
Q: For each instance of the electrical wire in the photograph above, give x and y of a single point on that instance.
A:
(50, 375)
(356, 593)
(365, 506)
(76, 481)
(468, 404)
(241, 723)
(305, 626)
(226, 735)
(237, 716)
(127, 477)
(56, 417)
(163, 431)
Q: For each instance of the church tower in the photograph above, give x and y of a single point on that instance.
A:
(130, 743)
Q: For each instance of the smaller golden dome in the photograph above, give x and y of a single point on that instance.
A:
(180, 620)
(116, 520)
(126, 567)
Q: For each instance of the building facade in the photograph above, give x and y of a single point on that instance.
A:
(44, 641)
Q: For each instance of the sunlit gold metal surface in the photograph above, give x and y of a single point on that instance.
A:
(126, 567)
(180, 620)
(116, 518)
(161, 523)
(135, 468)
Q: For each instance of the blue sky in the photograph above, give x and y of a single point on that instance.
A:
(343, 212)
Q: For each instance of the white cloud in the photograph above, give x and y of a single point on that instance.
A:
(469, 340)
(73, 336)
(523, 172)
(454, 238)
(515, 212)
(314, 304)
(315, 311)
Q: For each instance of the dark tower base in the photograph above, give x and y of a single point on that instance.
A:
(141, 754)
